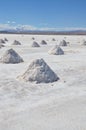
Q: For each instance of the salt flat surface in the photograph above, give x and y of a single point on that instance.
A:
(59, 105)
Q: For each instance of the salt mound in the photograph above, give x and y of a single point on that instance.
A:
(33, 38)
(2, 41)
(39, 72)
(56, 50)
(5, 39)
(63, 43)
(53, 39)
(84, 43)
(43, 42)
(16, 42)
(1, 45)
(35, 44)
(10, 56)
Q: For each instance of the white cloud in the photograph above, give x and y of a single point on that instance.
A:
(10, 26)
(62, 29)
(8, 22)
(6, 26)
(13, 22)
(74, 28)
(27, 27)
(48, 29)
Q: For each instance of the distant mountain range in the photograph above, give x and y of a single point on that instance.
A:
(18, 31)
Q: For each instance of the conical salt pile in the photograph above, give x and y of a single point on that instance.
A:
(1, 45)
(56, 50)
(84, 43)
(33, 38)
(53, 39)
(63, 43)
(35, 44)
(2, 41)
(11, 57)
(43, 42)
(16, 42)
(39, 72)
(5, 39)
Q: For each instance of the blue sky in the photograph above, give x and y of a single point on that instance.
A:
(43, 14)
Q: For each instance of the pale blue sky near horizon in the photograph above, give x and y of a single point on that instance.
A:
(44, 13)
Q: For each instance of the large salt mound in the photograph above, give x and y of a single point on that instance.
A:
(63, 43)
(16, 42)
(84, 43)
(2, 41)
(33, 38)
(35, 44)
(56, 50)
(43, 42)
(11, 57)
(53, 39)
(1, 45)
(39, 72)
(5, 39)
